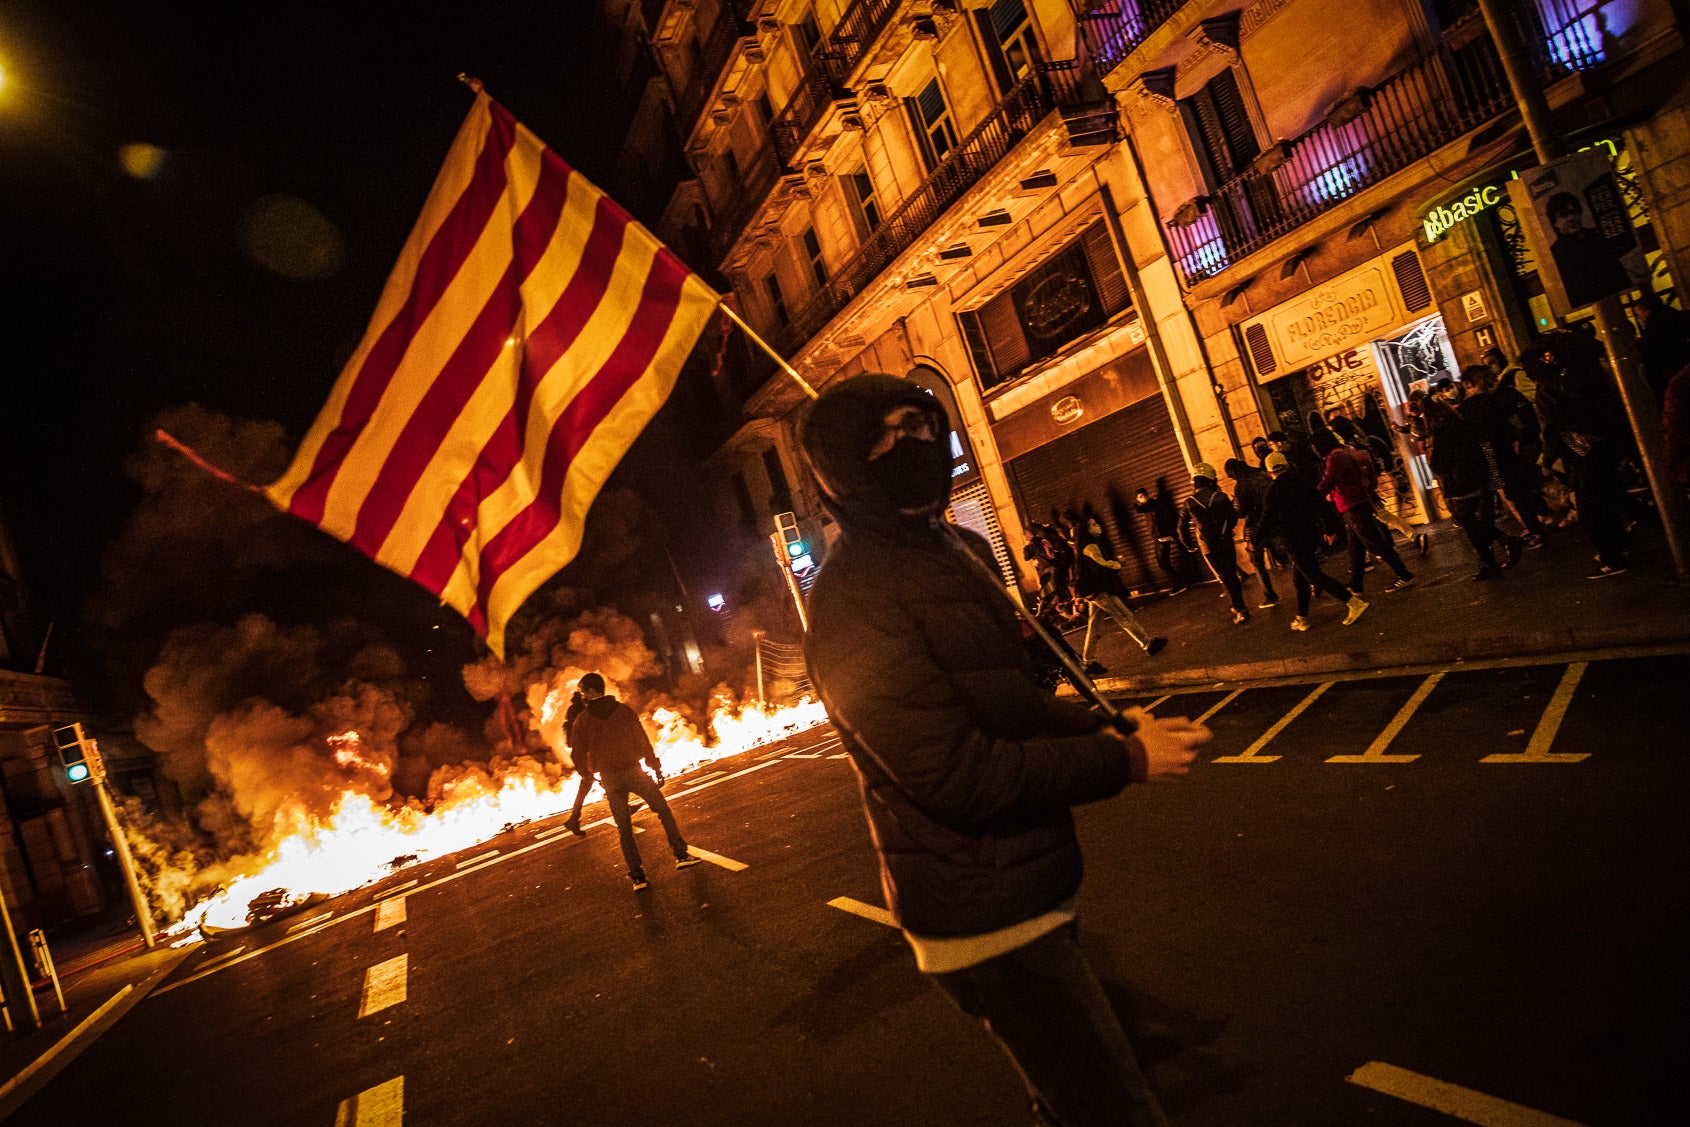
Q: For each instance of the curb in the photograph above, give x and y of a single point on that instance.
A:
(1538, 644)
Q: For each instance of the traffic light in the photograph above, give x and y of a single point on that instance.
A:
(73, 751)
(790, 548)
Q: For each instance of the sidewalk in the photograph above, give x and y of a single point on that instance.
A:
(104, 971)
(1543, 606)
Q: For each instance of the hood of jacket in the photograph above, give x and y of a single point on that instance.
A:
(602, 707)
(837, 436)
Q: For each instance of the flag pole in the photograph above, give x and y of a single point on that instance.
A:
(764, 345)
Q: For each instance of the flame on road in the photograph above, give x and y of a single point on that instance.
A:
(362, 840)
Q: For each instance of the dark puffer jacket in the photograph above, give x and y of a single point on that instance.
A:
(967, 766)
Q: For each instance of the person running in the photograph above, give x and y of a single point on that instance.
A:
(1348, 480)
(1097, 580)
(1205, 526)
(610, 742)
(1292, 525)
(1248, 493)
(1164, 526)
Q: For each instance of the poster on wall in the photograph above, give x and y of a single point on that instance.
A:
(1579, 230)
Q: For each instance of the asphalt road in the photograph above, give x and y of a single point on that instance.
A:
(1482, 913)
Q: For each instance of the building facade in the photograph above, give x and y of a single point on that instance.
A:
(1124, 238)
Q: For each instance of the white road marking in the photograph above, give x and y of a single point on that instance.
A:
(64, 1042)
(381, 1106)
(1248, 755)
(841, 755)
(390, 912)
(1451, 1099)
(1220, 704)
(707, 778)
(803, 755)
(547, 835)
(743, 771)
(1375, 752)
(866, 911)
(485, 857)
(1537, 749)
(312, 922)
(727, 863)
(395, 890)
(384, 985)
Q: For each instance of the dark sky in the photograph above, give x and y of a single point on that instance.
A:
(130, 291)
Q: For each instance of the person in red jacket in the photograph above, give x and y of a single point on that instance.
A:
(1349, 478)
(609, 741)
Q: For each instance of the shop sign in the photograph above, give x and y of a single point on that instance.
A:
(1438, 221)
(1067, 410)
(1473, 304)
(1345, 313)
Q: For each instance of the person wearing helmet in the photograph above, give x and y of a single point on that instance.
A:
(968, 767)
(1206, 523)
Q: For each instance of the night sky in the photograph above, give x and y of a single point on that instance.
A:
(200, 205)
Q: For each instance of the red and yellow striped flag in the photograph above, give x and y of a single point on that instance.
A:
(528, 333)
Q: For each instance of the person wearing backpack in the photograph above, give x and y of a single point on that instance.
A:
(1206, 522)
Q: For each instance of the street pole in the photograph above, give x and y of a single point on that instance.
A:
(143, 911)
(1611, 325)
(14, 978)
(757, 641)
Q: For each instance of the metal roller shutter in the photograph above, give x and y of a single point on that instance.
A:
(1098, 469)
(971, 507)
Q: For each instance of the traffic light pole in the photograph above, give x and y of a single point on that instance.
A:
(14, 978)
(137, 897)
(1611, 324)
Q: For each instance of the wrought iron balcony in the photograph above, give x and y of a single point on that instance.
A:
(1021, 110)
(791, 128)
(1367, 137)
(1113, 28)
(856, 31)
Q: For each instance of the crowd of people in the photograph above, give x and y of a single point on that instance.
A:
(1518, 452)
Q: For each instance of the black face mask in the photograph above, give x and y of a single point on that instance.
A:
(915, 475)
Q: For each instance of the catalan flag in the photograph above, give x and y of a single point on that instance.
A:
(528, 333)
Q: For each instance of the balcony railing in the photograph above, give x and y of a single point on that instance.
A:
(1022, 108)
(843, 47)
(1112, 29)
(755, 182)
(1366, 138)
(809, 101)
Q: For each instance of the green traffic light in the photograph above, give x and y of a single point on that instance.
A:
(78, 772)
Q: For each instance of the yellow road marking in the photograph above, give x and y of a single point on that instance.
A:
(1537, 750)
(384, 985)
(1375, 752)
(727, 863)
(381, 1106)
(1451, 1099)
(1249, 754)
(866, 911)
(390, 912)
(1220, 704)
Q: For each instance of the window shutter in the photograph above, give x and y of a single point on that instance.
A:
(977, 348)
(1106, 274)
(919, 127)
(1261, 352)
(1010, 352)
(1411, 281)
(994, 49)
(1241, 144)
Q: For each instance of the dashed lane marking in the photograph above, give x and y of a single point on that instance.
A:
(1375, 752)
(707, 778)
(803, 755)
(384, 985)
(1451, 1099)
(312, 922)
(1151, 707)
(841, 755)
(1537, 750)
(727, 863)
(547, 835)
(478, 860)
(395, 890)
(381, 1106)
(866, 911)
(1220, 704)
(390, 912)
(1250, 754)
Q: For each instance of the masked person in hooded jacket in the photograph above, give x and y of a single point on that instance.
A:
(968, 768)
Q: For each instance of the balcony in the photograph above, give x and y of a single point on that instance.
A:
(809, 102)
(756, 180)
(1021, 110)
(1367, 137)
(1113, 29)
(856, 31)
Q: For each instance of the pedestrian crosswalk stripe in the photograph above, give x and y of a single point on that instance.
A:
(384, 985)
(866, 911)
(381, 1106)
(1220, 704)
(1375, 752)
(727, 863)
(1451, 1099)
(390, 912)
(1549, 724)
(1249, 754)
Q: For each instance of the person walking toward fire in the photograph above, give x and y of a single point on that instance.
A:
(968, 768)
(577, 703)
(610, 742)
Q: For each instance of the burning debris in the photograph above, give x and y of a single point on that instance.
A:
(301, 803)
